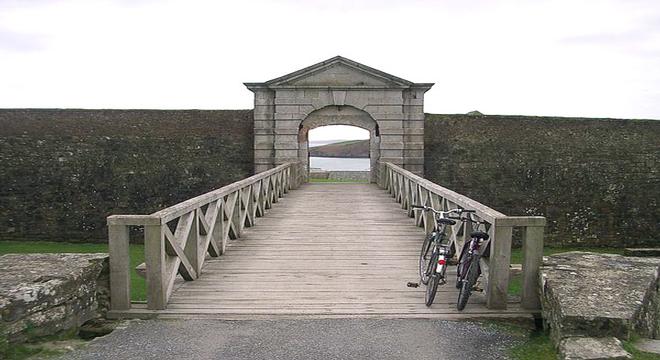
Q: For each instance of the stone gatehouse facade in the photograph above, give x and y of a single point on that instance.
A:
(339, 91)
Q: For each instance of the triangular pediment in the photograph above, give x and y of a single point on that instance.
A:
(339, 72)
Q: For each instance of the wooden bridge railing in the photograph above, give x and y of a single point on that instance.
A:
(408, 188)
(177, 239)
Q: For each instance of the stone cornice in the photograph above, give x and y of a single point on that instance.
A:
(393, 82)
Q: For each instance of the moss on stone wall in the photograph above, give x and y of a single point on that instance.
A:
(63, 171)
(596, 180)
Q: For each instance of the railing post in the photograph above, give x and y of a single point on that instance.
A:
(192, 248)
(499, 266)
(532, 249)
(120, 276)
(236, 216)
(154, 256)
(218, 229)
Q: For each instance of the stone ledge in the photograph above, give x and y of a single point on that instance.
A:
(45, 294)
(588, 348)
(600, 295)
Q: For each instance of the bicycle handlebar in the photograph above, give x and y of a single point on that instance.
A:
(455, 211)
(466, 218)
(446, 214)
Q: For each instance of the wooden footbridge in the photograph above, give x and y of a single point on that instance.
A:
(274, 246)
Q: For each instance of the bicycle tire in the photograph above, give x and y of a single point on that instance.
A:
(423, 262)
(468, 283)
(432, 286)
(461, 267)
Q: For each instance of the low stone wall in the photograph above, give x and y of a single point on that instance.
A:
(48, 294)
(600, 296)
(359, 176)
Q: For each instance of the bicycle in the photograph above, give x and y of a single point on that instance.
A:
(436, 251)
(468, 269)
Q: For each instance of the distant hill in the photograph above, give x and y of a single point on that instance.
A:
(345, 149)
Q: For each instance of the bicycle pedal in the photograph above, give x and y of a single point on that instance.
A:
(477, 289)
(412, 284)
(442, 281)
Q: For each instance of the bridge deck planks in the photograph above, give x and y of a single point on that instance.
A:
(325, 250)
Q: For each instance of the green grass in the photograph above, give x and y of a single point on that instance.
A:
(20, 352)
(138, 285)
(537, 346)
(42, 347)
(638, 354)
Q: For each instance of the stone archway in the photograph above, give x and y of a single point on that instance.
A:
(339, 115)
(395, 105)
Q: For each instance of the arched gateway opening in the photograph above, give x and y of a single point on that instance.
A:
(343, 92)
(339, 115)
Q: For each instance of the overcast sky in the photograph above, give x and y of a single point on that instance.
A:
(595, 58)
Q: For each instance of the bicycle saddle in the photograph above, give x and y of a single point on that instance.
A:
(480, 235)
(447, 221)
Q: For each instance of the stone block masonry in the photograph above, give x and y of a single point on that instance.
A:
(592, 301)
(596, 180)
(47, 294)
(600, 295)
(62, 172)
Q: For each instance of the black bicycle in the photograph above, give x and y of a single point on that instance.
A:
(436, 251)
(468, 269)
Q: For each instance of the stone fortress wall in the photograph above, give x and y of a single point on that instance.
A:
(63, 171)
(596, 180)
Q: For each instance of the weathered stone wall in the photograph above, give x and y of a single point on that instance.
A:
(589, 301)
(63, 171)
(48, 294)
(360, 176)
(596, 180)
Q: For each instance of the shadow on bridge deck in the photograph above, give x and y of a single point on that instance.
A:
(325, 250)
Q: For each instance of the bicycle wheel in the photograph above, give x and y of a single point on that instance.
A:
(462, 266)
(433, 281)
(425, 259)
(468, 283)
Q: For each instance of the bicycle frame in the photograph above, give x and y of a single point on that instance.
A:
(440, 251)
(432, 267)
(471, 249)
(469, 269)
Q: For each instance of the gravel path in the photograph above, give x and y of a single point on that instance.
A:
(300, 339)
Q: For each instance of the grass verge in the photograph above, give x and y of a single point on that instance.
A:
(536, 346)
(636, 353)
(138, 284)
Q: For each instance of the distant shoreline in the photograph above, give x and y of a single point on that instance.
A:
(351, 149)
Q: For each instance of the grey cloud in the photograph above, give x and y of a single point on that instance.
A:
(21, 42)
(643, 40)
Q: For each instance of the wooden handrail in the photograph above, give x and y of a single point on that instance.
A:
(177, 238)
(409, 189)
